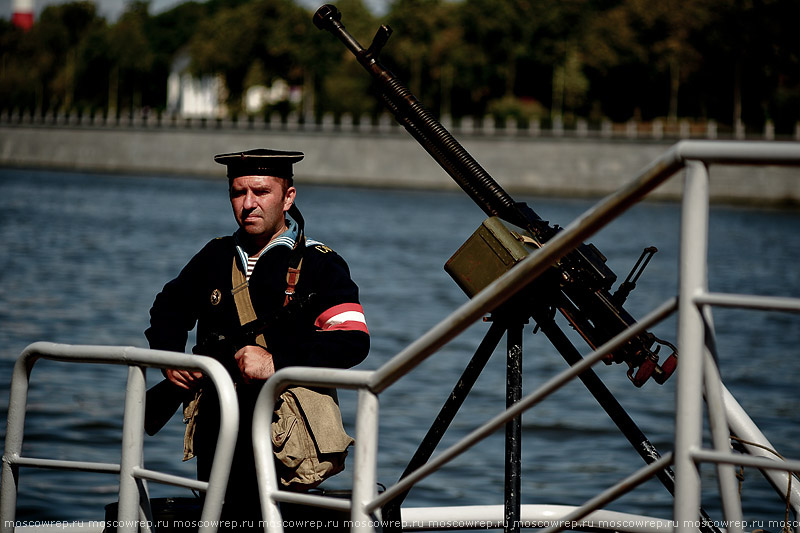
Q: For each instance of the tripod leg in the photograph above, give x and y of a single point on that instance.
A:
(448, 412)
(512, 503)
(615, 411)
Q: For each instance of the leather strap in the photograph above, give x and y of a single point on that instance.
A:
(292, 277)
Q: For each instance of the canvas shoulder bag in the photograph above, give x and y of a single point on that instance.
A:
(308, 438)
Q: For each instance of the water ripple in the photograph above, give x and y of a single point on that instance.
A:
(87, 274)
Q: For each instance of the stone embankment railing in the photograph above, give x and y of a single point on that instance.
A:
(651, 130)
(533, 160)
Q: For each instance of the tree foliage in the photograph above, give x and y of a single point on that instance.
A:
(726, 60)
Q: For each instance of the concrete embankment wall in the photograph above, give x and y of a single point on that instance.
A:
(522, 165)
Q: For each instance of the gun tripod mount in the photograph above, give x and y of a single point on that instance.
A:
(581, 279)
(577, 285)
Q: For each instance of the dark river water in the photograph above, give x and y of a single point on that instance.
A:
(83, 256)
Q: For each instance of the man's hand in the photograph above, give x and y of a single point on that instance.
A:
(255, 363)
(185, 379)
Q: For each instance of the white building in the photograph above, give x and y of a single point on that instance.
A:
(192, 97)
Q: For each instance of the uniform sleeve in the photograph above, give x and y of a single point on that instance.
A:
(173, 313)
(338, 336)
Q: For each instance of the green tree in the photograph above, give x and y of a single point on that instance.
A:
(499, 35)
(415, 24)
(132, 58)
(755, 56)
(570, 85)
(168, 33)
(526, 50)
(646, 52)
(54, 45)
(19, 80)
(731, 60)
(668, 27)
(234, 37)
(338, 82)
(92, 68)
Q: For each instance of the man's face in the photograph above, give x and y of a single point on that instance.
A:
(259, 204)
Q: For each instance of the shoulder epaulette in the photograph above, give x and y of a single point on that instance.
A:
(322, 248)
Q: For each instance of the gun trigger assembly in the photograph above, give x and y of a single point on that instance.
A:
(663, 372)
(649, 366)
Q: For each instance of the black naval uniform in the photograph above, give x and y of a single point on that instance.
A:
(326, 330)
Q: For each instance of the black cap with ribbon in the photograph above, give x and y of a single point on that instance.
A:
(266, 162)
(260, 162)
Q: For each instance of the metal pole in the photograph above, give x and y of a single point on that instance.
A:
(513, 455)
(132, 426)
(446, 415)
(691, 345)
(366, 460)
(366, 444)
(743, 427)
(15, 425)
(720, 434)
(132, 447)
(609, 495)
(266, 474)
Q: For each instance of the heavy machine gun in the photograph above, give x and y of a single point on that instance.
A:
(582, 277)
(578, 285)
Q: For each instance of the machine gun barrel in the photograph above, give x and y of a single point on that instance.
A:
(422, 125)
(582, 276)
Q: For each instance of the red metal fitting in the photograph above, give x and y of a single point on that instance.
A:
(646, 370)
(667, 369)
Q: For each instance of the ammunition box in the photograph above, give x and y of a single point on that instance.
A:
(490, 252)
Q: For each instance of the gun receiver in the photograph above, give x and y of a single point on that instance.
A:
(582, 277)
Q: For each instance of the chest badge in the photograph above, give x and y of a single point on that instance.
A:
(216, 297)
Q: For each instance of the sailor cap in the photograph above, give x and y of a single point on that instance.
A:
(260, 162)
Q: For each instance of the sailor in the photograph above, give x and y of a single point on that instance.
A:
(299, 284)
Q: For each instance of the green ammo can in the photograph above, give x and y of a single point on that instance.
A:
(490, 252)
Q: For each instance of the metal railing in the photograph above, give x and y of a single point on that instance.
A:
(133, 513)
(489, 126)
(696, 371)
